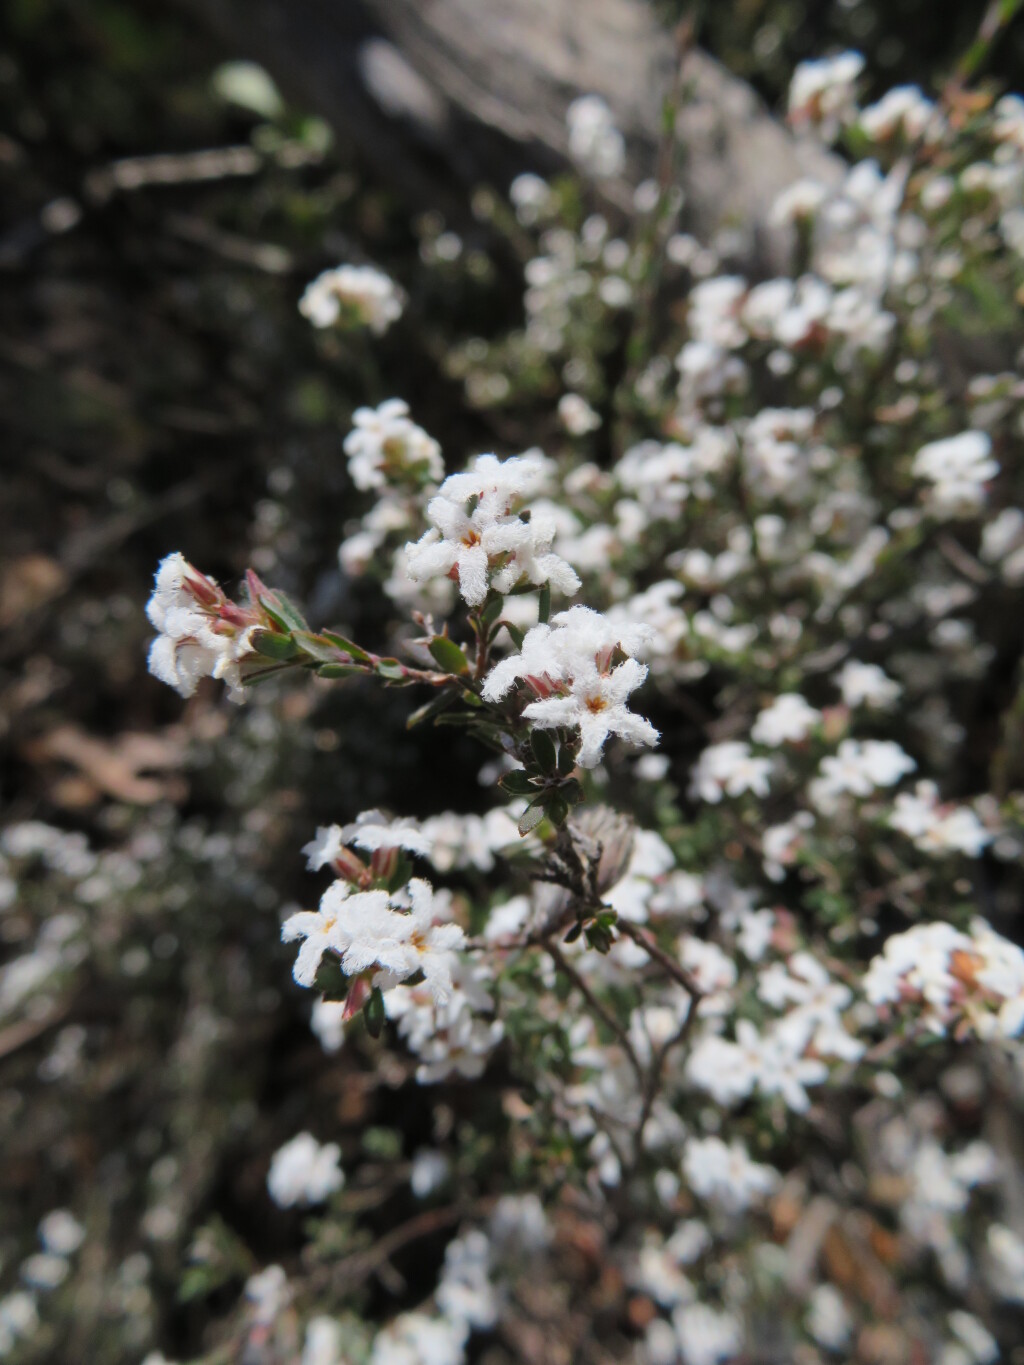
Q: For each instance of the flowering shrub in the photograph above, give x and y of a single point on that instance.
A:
(741, 974)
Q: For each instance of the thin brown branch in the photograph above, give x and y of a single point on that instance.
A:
(607, 1018)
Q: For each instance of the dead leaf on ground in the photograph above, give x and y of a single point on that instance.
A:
(122, 767)
(26, 584)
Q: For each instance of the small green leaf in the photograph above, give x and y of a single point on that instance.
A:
(530, 818)
(566, 760)
(543, 750)
(447, 654)
(283, 612)
(433, 708)
(346, 646)
(515, 634)
(517, 783)
(338, 671)
(491, 611)
(272, 646)
(391, 669)
(544, 604)
(320, 648)
(574, 932)
(557, 808)
(373, 1013)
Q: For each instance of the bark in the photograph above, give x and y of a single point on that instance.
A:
(443, 95)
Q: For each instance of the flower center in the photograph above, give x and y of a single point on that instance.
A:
(595, 704)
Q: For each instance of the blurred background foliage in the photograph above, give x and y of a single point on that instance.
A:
(161, 392)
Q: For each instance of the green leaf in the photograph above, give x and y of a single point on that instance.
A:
(574, 932)
(447, 654)
(273, 646)
(557, 808)
(517, 783)
(491, 611)
(283, 612)
(346, 646)
(543, 750)
(338, 671)
(391, 669)
(544, 604)
(566, 760)
(373, 1013)
(318, 647)
(530, 818)
(432, 708)
(515, 634)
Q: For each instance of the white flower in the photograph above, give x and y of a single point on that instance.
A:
(530, 197)
(371, 831)
(828, 1320)
(304, 1172)
(465, 1293)
(958, 469)
(201, 633)
(726, 1176)
(772, 1061)
(61, 1233)
(385, 444)
(268, 1292)
(328, 1023)
(705, 1336)
(576, 415)
(428, 1172)
(857, 769)
(394, 936)
(729, 769)
(824, 91)
(1007, 1252)
(323, 1343)
(416, 1339)
(44, 1270)
(935, 828)
(352, 294)
(975, 979)
(322, 930)
(400, 944)
(571, 658)
(979, 1346)
(595, 143)
(902, 109)
(596, 704)
(1003, 535)
(866, 685)
(789, 718)
(477, 528)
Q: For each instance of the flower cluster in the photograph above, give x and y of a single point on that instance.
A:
(970, 983)
(352, 296)
(802, 533)
(569, 667)
(201, 633)
(479, 537)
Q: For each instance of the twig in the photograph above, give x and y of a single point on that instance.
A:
(677, 972)
(608, 1019)
(359, 1266)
